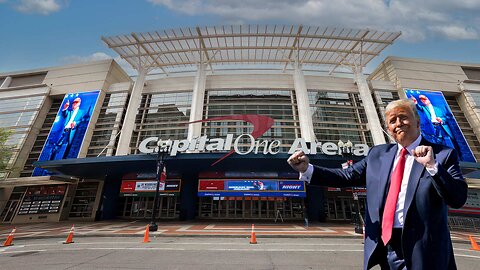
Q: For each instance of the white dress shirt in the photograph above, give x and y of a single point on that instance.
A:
(398, 218)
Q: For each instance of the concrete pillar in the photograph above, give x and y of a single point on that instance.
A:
(110, 197)
(188, 196)
(374, 123)
(196, 110)
(304, 113)
(315, 203)
(131, 113)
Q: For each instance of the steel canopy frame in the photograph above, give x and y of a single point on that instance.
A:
(318, 48)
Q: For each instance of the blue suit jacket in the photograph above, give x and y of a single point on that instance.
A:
(425, 237)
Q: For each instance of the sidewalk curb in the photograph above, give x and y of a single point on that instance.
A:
(154, 235)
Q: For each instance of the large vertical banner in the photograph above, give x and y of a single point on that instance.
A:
(68, 130)
(437, 122)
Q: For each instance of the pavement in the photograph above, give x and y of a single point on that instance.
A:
(193, 229)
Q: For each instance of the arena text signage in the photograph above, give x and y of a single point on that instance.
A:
(261, 124)
(246, 144)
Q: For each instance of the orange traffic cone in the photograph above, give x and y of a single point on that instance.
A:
(9, 241)
(147, 234)
(474, 244)
(69, 239)
(253, 238)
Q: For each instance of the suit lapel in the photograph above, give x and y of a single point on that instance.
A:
(385, 171)
(413, 180)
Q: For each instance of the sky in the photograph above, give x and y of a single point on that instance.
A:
(45, 33)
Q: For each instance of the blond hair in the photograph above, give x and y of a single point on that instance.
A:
(403, 103)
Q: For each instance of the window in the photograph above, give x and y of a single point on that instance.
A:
(274, 103)
(107, 129)
(162, 115)
(472, 73)
(338, 116)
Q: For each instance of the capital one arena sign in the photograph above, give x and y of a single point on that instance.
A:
(261, 124)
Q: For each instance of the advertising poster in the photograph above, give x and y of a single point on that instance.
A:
(147, 188)
(437, 122)
(251, 188)
(249, 185)
(69, 127)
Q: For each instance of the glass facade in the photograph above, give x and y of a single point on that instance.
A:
(381, 98)
(465, 127)
(476, 99)
(42, 136)
(18, 114)
(338, 116)
(162, 115)
(277, 104)
(107, 129)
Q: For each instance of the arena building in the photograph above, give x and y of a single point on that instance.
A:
(225, 106)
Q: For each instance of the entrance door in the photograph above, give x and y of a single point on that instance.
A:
(13, 203)
(83, 204)
(168, 207)
(139, 208)
(251, 208)
(9, 211)
(142, 207)
(340, 208)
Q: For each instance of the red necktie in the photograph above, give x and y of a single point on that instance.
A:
(391, 203)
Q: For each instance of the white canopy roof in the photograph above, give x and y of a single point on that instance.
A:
(318, 48)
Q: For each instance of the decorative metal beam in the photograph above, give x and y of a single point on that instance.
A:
(279, 35)
(346, 55)
(154, 60)
(204, 48)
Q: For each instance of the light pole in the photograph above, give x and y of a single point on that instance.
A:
(163, 149)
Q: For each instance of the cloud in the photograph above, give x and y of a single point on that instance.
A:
(416, 19)
(456, 32)
(43, 7)
(97, 56)
(74, 59)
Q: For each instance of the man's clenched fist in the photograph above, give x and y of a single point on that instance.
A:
(299, 161)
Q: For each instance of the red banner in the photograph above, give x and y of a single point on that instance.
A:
(208, 185)
(128, 186)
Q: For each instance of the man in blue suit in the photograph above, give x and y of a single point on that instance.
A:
(75, 119)
(56, 136)
(69, 120)
(410, 185)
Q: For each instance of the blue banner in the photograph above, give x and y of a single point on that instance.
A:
(437, 123)
(69, 127)
(251, 185)
(251, 188)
